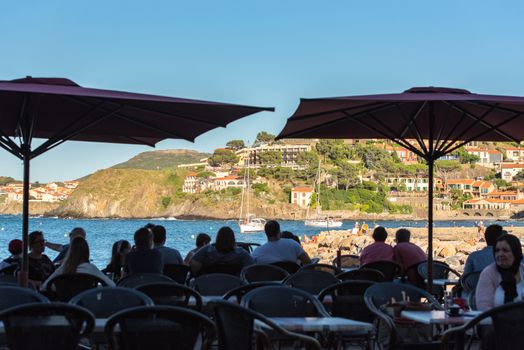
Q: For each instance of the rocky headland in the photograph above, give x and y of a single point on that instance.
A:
(450, 244)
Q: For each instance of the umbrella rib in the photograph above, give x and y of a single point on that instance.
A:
(152, 127)
(445, 150)
(444, 145)
(381, 106)
(171, 115)
(9, 149)
(66, 133)
(484, 123)
(411, 121)
(10, 143)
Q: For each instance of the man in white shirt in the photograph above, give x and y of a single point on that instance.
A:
(277, 249)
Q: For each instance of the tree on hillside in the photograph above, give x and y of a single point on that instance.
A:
(346, 174)
(5, 180)
(264, 137)
(465, 157)
(222, 157)
(235, 144)
(443, 169)
(270, 157)
(205, 175)
(519, 176)
(372, 157)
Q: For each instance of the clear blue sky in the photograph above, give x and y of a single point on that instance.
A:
(267, 53)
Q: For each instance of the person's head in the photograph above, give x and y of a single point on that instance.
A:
(380, 234)
(492, 233)
(202, 239)
(272, 229)
(143, 239)
(16, 247)
(225, 240)
(402, 235)
(507, 251)
(159, 235)
(119, 251)
(77, 254)
(77, 232)
(289, 235)
(149, 225)
(37, 242)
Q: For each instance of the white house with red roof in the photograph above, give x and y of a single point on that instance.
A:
(221, 183)
(506, 195)
(509, 170)
(486, 203)
(514, 154)
(301, 196)
(404, 154)
(464, 185)
(487, 157)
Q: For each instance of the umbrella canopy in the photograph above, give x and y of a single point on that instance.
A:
(57, 110)
(429, 121)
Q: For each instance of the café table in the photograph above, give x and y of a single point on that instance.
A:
(321, 324)
(435, 317)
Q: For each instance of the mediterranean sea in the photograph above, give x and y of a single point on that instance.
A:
(101, 233)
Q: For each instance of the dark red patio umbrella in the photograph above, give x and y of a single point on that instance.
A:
(429, 121)
(57, 110)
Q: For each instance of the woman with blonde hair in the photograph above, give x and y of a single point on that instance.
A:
(77, 261)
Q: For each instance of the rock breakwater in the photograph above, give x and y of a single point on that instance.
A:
(450, 244)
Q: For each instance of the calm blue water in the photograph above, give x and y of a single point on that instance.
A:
(181, 233)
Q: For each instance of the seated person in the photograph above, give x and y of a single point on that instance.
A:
(143, 259)
(290, 235)
(224, 251)
(502, 282)
(407, 254)
(40, 266)
(62, 249)
(169, 255)
(378, 251)
(77, 261)
(118, 254)
(202, 240)
(276, 249)
(479, 260)
(12, 263)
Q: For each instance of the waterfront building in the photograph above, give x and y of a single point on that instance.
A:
(301, 196)
(509, 170)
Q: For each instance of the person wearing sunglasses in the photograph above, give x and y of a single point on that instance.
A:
(40, 266)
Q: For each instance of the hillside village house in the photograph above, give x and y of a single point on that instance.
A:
(191, 184)
(289, 152)
(405, 155)
(301, 196)
(412, 183)
(514, 154)
(51, 192)
(509, 170)
(221, 183)
(487, 157)
(483, 203)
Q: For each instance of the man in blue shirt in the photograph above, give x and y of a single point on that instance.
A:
(478, 260)
(170, 255)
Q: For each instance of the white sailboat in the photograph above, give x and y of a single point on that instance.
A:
(319, 221)
(247, 221)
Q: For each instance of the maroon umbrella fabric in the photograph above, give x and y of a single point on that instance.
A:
(57, 110)
(429, 121)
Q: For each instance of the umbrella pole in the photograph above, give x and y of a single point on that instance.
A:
(23, 273)
(431, 163)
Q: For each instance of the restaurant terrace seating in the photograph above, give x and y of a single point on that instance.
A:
(441, 270)
(239, 292)
(159, 328)
(13, 296)
(312, 281)
(263, 273)
(290, 266)
(46, 326)
(347, 261)
(469, 281)
(8, 280)
(365, 274)
(65, 286)
(138, 279)
(104, 302)
(236, 329)
(229, 269)
(173, 294)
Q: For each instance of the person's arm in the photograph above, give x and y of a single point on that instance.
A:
(304, 258)
(188, 258)
(468, 267)
(486, 287)
(54, 246)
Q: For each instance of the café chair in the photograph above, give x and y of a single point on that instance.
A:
(364, 274)
(236, 329)
(290, 266)
(13, 296)
(65, 286)
(173, 294)
(159, 327)
(177, 272)
(311, 281)
(216, 283)
(239, 292)
(105, 302)
(347, 261)
(322, 267)
(137, 279)
(389, 269)
(441, 270)
(508, 326)
(282, 301)
(469, 281)
(262, 273)
(46, 326)
(228, 269)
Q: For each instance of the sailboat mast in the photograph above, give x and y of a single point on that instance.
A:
(318, 189)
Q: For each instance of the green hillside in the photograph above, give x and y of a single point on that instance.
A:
(155, 160)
